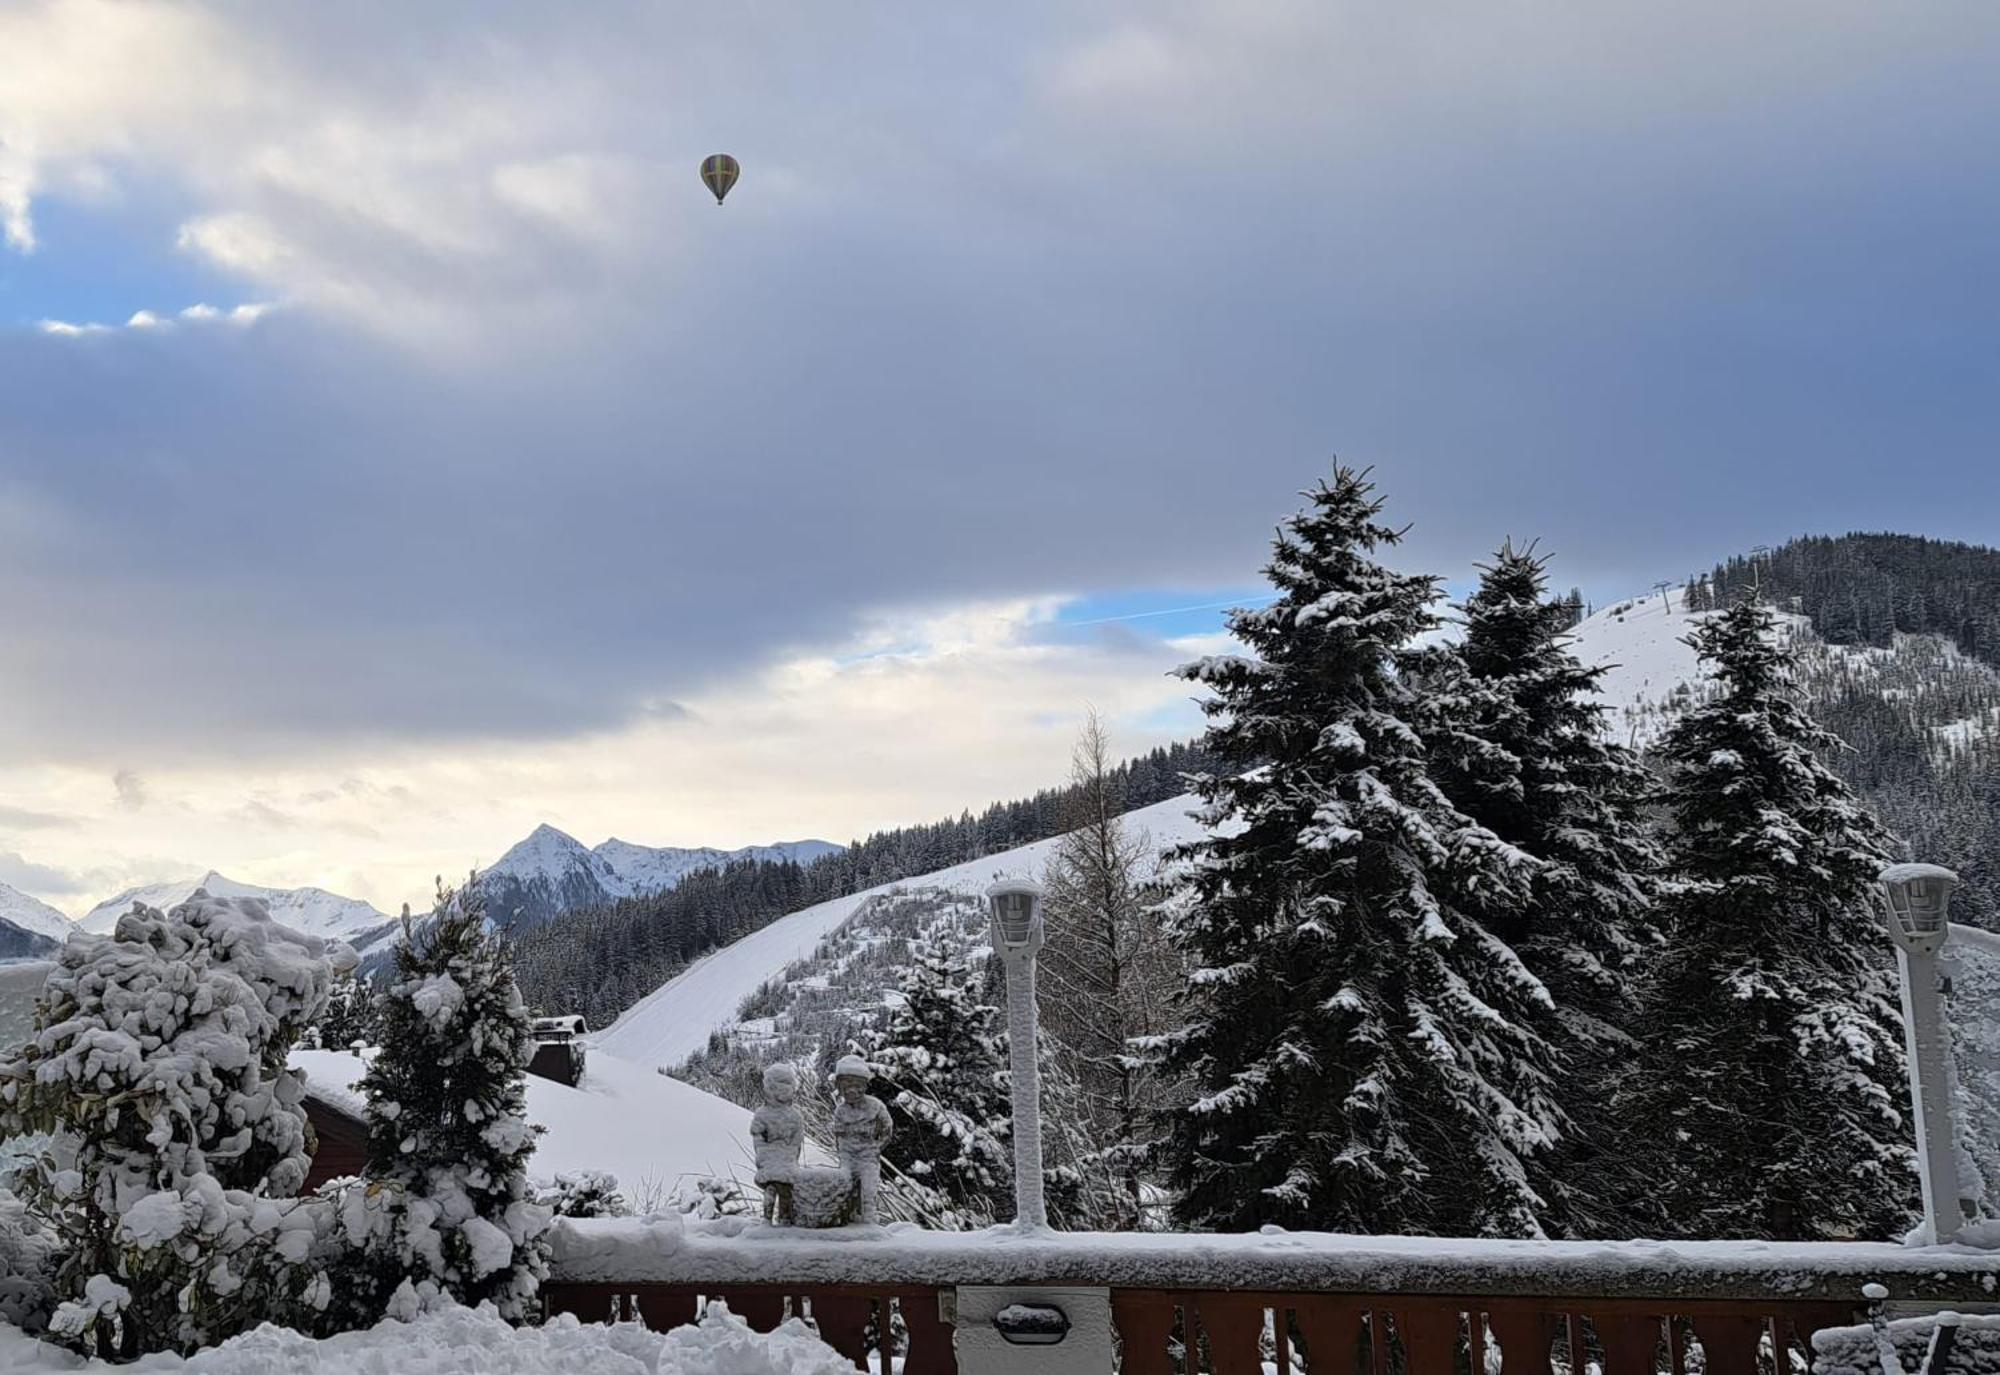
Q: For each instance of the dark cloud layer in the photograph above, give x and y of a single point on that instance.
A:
(992, 316)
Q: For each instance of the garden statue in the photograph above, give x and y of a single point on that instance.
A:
(779, 1132)
(861, 1127)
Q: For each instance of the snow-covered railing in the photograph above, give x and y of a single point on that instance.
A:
(1416, 1305)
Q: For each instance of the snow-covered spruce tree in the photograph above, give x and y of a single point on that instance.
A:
(349, 1015)
(177, 1134)
(1516, 741)
(1773, 1085)
(447, 1131)
(1364, 1054)
(943, 1059)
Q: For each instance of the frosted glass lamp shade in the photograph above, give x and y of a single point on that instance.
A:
(1016, 909)
(1918, 898)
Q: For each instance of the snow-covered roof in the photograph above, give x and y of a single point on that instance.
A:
(736, 1251)
(621, 1118)
(331, 1076)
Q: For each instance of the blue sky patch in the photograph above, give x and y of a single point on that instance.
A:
(99, 264)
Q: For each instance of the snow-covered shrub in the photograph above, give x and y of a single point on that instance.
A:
(176, 1131)
(447, 1208)
(586, 1193)
(27, 1263)
(717, 1197)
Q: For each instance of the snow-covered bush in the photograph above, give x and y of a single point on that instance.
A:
(27, 1263)
(712, 1196)
(447, 1209)
(586, 1193)
(176, 1131)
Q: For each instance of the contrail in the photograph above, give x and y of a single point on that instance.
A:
(1175, 610)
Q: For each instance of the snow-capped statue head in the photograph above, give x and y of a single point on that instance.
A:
(851, 1076)
(781, 1083)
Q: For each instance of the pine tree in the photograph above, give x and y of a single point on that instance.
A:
(447, 1130)
(1774, 1081)
(1366, 1056)
(178, 1135)
(944, 1058)
(1516, 741)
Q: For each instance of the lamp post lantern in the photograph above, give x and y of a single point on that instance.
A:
(1918, 897)
(1015, 907)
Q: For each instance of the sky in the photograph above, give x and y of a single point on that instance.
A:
(400, 448)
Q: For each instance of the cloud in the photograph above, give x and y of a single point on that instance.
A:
(260, 813)
(543, 439)
(916, 716)
(26, 819)
(22, 874)
(244, 314)
(131, 790)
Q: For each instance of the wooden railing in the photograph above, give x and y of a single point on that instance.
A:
(849, 1318)
(1232, 1332)
(1293, 1302)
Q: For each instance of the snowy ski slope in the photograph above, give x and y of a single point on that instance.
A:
(674, 1020)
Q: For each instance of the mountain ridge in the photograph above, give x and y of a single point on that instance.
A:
(307, 910)
(550, 872)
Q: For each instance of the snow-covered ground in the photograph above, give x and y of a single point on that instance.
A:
(1639, 642)
(656, 1134)
(461, 1341)
(675, 1019)
(309, 911)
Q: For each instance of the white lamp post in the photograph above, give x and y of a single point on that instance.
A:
(1016, 909)
(1918, 896)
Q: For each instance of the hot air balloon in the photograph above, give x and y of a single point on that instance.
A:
(718, 173)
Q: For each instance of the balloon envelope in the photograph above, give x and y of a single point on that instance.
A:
(718, 173)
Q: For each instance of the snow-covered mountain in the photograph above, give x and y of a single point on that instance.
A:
(653, 869)
(309, 911)
(28, 926)
(552, 872)
(675, 1020)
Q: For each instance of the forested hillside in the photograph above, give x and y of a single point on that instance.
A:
(600, 961)
(1909, 679)
(1865, 589)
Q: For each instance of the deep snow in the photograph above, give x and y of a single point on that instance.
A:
(732, 1250)
(460, 1340)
